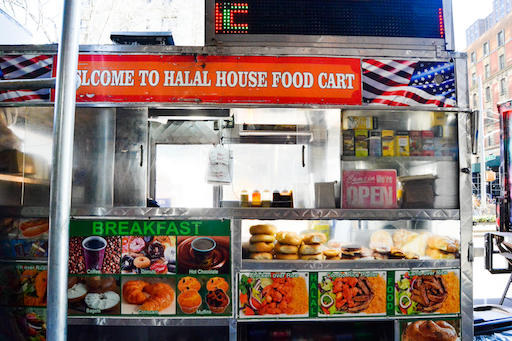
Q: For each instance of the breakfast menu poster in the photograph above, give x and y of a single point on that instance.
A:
(150, 267)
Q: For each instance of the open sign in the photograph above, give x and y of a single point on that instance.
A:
(369, 189)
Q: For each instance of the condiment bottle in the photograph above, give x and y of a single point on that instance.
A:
(244, 198)
(266, 198)
(276, 198)
(286, 198)
(256, 198)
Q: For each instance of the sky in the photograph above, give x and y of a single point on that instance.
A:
(465, 13)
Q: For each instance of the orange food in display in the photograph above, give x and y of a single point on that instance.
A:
(217, 282)
(189, 301)
(277, 297)
(187, 283)
(161, 297)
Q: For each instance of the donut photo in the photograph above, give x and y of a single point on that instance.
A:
(145, 295)
(94, 255)
(148, 255)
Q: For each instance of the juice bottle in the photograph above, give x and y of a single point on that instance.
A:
(266, 198)
(244, 198)
(256, 198)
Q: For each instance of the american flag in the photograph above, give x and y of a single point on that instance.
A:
(408, 83)
(25, 67)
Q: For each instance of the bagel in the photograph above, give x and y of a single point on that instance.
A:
(261, 247)
(283, 248)
(314, 238)
(263, 229)
(333, 258)
(287, 256)
(262, 237)
(332, 253)
(311, 249)
(427, 330)
(142, 262)
(319, 256)
(289, 238)
(261, 255)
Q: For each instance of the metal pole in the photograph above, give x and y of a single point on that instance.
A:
(27, 84)
(481, 134)
(62, 160)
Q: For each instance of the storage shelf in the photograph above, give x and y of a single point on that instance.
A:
(137, 320)
(345, 265)
(241, 213)
(399, 158)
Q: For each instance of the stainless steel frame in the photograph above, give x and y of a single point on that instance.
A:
(412, 51)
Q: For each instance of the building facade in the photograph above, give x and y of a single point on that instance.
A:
(490, 60)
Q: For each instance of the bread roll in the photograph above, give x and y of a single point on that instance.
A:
(438, 254)
(427, 330)
(283, 248)
(287, 256)
(444, 243)
(381, 241)
(319, 256)
(403, 237)
(311, 249)
(314, 238)
(261, 255)
(263, 228)
(262, 237)
(288, 238)
(332, 253)
(261, 247)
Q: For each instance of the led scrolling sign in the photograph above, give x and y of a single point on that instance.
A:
(383, 18)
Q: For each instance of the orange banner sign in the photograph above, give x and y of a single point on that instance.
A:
(219, 79)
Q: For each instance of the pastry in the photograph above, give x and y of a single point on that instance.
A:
(351, 251)
(288, 238)
(102, 301)
(261, 247)
(329, 253)
(402, 237)
(217, 283)
(314, 238)
(97, 284)
(287, 256)
(319, 256)
(427, 330)
(438, 254)
(381, 241)
(283, 248)
(189, 301)
(333, 258)
(161, 297)
(137, 244)
(262, 237)
(142, 262)
(187, 283)
(418, 245)
(310, 249)
(263, 229)
(444, 243)
(261, 255)
(133, 292)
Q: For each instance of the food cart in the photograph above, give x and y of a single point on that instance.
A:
(348, 144)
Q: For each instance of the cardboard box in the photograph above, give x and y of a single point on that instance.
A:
(428, 146)
(388, 143)
(375, 143)
(370, 189)
(348, 143)
(402, 143)
(445, 147)
(361, 141)
(415, 143)
(355, 122)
